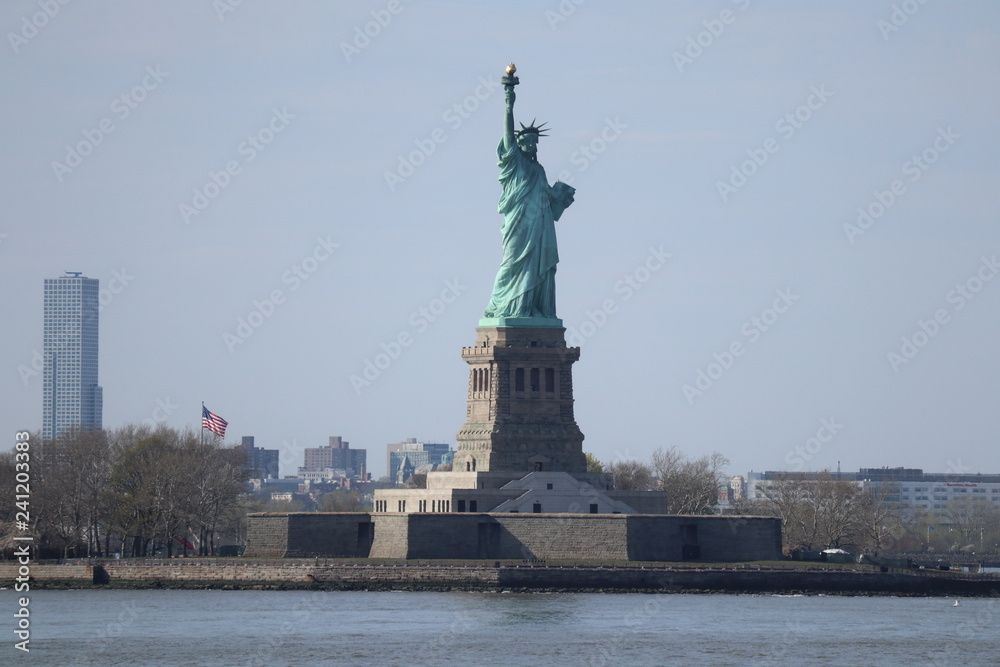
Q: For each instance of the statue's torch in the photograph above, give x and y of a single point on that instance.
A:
(509, 80)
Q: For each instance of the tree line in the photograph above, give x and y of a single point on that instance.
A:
(129, 490)
(817, 512)
(825, 511)
(135, 489)
(691, 484)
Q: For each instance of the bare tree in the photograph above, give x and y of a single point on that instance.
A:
(8, 511)
(216, 480)
(165, 483)
(817, 513)
(878, 518)
(293, 505)
(753, 507)
(67, 479)
(971, 518)
(692, 485)
(341, 501)
(836, 502)
(139, 486)
(133, 483)
(631, 475)
(788, 500)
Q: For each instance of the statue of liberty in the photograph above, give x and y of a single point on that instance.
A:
(525, 285)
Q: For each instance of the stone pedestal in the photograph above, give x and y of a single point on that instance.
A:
(519, 417)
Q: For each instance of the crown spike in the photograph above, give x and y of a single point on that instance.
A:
(538, 130)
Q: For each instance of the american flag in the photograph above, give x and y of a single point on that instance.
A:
(213, 422)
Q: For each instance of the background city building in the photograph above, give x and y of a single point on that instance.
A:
(262, 463)
(416, 454)
(71, 396)
(334, 460)
(910, 488)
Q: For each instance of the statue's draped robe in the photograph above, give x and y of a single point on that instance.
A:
(525, 285)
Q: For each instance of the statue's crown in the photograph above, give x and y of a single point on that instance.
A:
(538, 130)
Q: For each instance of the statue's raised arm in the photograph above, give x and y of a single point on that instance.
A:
(509, 81)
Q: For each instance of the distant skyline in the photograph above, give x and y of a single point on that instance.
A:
(783, 245)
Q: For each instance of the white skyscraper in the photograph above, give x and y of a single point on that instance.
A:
(70, 393)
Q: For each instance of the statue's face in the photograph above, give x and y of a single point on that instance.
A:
(528, 143)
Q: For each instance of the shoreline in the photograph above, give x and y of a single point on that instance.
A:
(167, 585)
(495, 576)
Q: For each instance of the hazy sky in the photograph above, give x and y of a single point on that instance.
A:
(785, 228)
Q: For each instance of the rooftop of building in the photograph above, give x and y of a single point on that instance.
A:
(916, 475)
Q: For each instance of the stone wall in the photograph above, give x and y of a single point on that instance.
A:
(249, 573)
(563, 537)
(9, 571)
(305, 534)
(441, 536)
(267, 535)
(713, 538)
(506, 536)
(392, 533)
(365, 575)
(757, 538)
(501, 536)
(575, 537)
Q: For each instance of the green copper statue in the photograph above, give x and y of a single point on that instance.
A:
(525, 286)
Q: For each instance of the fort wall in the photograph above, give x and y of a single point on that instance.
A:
(306, 534)
(504, 536)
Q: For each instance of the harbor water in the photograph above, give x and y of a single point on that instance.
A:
(207, 627)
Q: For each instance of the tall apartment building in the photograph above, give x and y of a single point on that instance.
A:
(262, 463)
(337, 455)
(71, 396)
